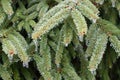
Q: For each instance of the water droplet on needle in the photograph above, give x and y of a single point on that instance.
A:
(36, 45)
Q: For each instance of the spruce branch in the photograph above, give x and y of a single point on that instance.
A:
(9, 48)
(40, 65)
(21, 47)
(90, 5)
(60, 39)
(6, 4)
(88, 12)
(45, 52)
(15, 72)
(115, 43)
(67, 35)
(68, 71)
(91, 39)
(4, 73)
(108, 27)
(2, 17)
(80, 23)
(48, 25)
(60, 48)
(85, 74)
(98, 52)
(54, 19)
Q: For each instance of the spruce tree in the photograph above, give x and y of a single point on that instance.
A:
(60, 39)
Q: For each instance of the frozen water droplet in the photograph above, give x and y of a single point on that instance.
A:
(110, 66)
(17, 21)
(66, 45)
(97, 13)
(81, 38)
(36, 45)
(25, 64)
(94, 20)
(119, 13)
(93, 72)
(40, 37)
(29, 35)
(113, 3)
(101, 2)
(9, 17)
(43, 73)
(10, 58)
(110, 44)
(87, 42)
(58, 65)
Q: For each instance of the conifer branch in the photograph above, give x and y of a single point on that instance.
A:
(68, 70)
(21, 47)
(108, 27)
(40, 65)
(88, 12)
(4, 73)
(60, 48)
(68, 34)
(98, 52)
(6, 4)
(80, 23)
(2, 17)
(53, 21)
(45, 52)
(59, 39)
(9, 48)
(115, 43)
(91, 39)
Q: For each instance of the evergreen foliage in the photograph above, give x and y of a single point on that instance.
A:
(60, 39)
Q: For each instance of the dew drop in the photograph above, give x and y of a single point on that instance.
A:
(87, 42)
(94, 20)
(86, 57)
(113, 3)
(36, 45)
(25, 64)
(119, 13)
(81, 38)
(110, 44)
(66, 45)
(110, 66)
(10, 58)
(29, 35)
(58, 65)
(93, 72)
(101, 2)
(43, 73)
(9, 17)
